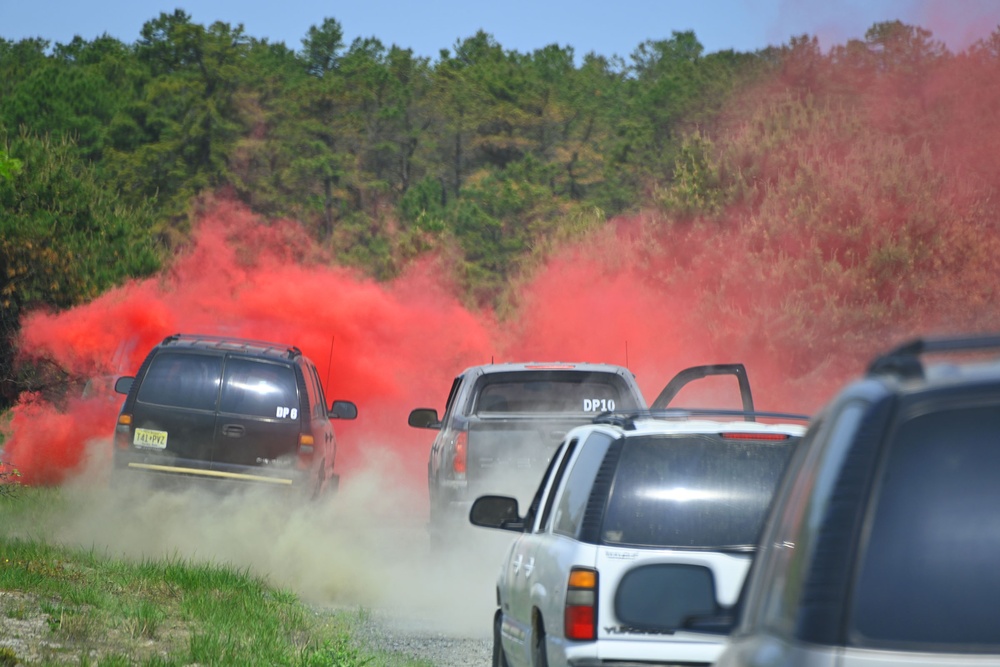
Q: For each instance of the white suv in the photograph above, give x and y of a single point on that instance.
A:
(640, 534)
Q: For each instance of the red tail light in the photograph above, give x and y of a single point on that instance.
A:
(306, 449)
(581, 604)
(122, 431)
(754, 436)
(461, 461)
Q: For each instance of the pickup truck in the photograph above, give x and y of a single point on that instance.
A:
(503, 422)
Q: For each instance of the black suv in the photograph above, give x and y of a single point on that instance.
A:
(881, 547)
(228, 409)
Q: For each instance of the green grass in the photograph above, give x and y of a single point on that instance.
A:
(73, 606)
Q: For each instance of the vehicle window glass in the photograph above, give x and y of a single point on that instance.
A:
(693, 491)
(556, 479)
(571, 393)
(449, 406)
(182, 381)
(259, 389)
(315, 392)
(929, 576)
(789, 549)
(575, 490)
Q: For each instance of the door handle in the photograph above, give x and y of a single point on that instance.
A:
(233, 431)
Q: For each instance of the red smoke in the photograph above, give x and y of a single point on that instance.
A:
(873, 224)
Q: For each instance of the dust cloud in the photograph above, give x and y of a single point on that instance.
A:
(363, 547)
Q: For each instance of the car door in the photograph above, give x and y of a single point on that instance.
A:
(516, 606)
(320, 426)
(174, 412)
(688, 375)
(434, 460)
(258, 419)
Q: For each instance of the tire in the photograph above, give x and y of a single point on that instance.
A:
(499, 657)
(539, 655)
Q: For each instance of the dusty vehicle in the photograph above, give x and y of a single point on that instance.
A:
(228, 410)
(503, 422)
(644, 522)
(881, 546)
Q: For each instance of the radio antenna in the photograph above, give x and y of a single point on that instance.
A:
(626, 354)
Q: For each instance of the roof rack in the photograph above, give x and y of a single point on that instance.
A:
(290, 350)
(626, 420)
(904, 360)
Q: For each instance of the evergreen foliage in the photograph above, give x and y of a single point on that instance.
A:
(489, 154)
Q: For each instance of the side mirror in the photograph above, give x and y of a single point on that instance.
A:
(124, 384)
(496, 512)
(343, 410)
(424, 418)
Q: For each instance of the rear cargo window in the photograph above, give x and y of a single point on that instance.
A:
(693, 491)
(182, 381)
(929, 575)
(259, 389)
(574, 393)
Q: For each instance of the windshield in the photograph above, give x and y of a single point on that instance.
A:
(693, 491)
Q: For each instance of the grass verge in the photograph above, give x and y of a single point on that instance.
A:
(68, 606)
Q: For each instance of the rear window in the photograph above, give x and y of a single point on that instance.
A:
(693, 491)
(259, 389)
(182, 381)
(929, 575)
(572, 393)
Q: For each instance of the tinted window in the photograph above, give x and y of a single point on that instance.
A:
(259, 389)
(556, 477)
(929, 574)
(182, 381)
(576, 393)
(660, 597)
(576, 490)
(693, 491)
(315, 391)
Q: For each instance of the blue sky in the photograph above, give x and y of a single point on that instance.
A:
(607, 27)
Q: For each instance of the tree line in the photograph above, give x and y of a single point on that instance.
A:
(487, 153)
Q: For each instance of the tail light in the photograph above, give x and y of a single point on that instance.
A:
(581, 604)
(307, 445)
(122, 431)
(460, 463)
(755, 436)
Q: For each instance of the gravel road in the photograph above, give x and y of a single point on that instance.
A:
(437, 606)
(425, 638)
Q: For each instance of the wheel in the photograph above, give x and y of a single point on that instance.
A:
(499, 657)
(539, 655)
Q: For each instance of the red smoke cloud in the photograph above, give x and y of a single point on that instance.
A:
(872, 224)
(389, 348)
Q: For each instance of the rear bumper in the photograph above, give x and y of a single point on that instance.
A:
(165, 469)
(625, 653)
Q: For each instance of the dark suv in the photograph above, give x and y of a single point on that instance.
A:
(881, 547)
(228, 409)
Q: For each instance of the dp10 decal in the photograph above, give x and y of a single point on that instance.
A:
(598, 405)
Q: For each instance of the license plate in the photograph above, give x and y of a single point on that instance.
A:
(145, 437)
